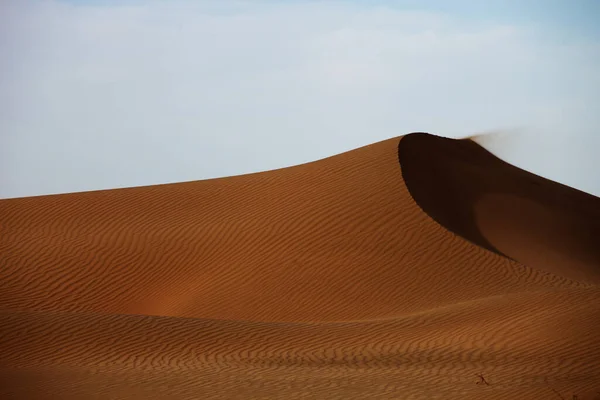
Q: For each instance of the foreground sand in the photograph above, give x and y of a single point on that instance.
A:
(398, 270)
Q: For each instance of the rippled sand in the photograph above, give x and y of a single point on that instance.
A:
(400, 270)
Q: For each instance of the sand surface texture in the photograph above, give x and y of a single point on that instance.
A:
(400, 270)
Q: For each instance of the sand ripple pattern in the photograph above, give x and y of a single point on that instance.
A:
(323, 281)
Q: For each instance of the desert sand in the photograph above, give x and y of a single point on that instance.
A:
(414, 268)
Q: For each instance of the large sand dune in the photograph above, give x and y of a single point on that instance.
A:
(398, 270)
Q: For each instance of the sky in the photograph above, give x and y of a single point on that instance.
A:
(108, 94)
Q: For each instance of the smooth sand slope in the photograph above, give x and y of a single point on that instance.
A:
(398, 270)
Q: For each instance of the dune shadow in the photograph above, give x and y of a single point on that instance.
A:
(500, 207)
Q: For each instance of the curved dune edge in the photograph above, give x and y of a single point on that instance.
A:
(507, 210)
(333, 240)
(325, 280)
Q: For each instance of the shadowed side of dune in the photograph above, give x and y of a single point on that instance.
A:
(502, 208)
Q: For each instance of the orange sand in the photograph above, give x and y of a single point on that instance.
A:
(399, 270)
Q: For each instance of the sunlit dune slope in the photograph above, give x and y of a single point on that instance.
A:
(522, 342)
(397, 270)
(337, 239)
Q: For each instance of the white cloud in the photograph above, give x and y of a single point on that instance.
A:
(113, 96)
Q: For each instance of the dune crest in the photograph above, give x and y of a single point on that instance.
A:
(398, 270)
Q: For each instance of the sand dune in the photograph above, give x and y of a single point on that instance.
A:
(398, 270)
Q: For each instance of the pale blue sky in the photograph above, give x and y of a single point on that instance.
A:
(112, 94)
(568, 17)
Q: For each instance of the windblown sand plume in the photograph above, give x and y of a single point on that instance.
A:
(415, 268)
